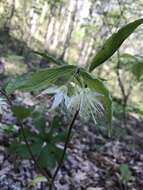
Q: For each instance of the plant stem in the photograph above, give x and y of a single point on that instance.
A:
(43, 172)
(64, 150)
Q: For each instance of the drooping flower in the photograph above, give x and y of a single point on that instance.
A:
(60, 95)
(87, 101)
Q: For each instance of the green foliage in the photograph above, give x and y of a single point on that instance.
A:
(36, 80)
(39, 121)
(127, 61)
(41, 79)
(43, 141)
(125, 173)
(137, 70)
(113, 43)
(21, 112)
(8, 128)
(98, 86)
(134, 64)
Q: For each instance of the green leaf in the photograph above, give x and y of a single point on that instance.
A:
(127, 61)
(56, 125)
(50, 155)
(99, 87)
(137, 70)
(51, 58)
(30, 135)
(134, 64)
(36, 148)
(58, 153)
(39, 122)
(60, 137)
(40, 79)
(125, 173)
(113, 43)
(47, 158)
(55, 135)
(22, 151)
(8, 128)
(21, 112)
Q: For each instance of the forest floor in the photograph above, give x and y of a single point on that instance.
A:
(93, 161)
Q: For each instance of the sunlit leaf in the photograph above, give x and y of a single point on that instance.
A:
(113, 43)
(127, 61)
(40, 79)
(37, 179)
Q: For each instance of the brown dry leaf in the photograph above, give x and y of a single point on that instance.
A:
(104, 161)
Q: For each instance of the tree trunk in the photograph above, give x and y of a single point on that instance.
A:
(7, 25)
(70, 29)
(56, 29)
(49, 29)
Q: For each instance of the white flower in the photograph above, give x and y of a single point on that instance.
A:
(59, 97)
(87, 101)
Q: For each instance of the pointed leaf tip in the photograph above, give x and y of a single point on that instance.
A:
(113, 43)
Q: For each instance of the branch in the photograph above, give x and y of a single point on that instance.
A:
(65, 148)
(6, 96)
(118, 75)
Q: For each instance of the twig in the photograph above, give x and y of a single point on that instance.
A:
(118, 75)
(6, 96)
(64, 151)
